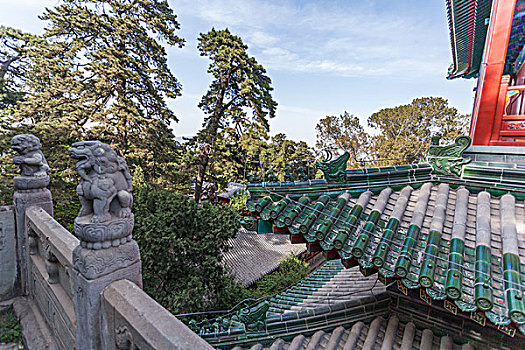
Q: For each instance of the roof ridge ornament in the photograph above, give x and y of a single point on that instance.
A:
(448, 160)
(334, 170)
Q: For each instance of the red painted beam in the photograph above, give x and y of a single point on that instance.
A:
(488, 92)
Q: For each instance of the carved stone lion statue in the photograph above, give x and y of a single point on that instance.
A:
(105, 186)
(31, 159)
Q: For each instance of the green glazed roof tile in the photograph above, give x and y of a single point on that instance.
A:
(424, 254)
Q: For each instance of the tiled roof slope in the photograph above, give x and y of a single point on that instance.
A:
(317, 302)
(457, 238)
(329, 285)
(329, 323)
(253, 255)
(291, 324)
(378, 333)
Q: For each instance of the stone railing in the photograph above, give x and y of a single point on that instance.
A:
(49, 274)
(131, 319)
(87, 290)
(7, 253)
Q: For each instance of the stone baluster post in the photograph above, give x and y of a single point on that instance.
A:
(30, 190)
(107, 252)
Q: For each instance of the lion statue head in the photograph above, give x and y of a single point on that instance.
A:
(25, 143)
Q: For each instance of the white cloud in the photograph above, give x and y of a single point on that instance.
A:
(262, 39)
(324, 37)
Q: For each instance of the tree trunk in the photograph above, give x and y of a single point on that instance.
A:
(203, 165)
(210, 136)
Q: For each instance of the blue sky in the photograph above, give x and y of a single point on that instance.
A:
(324, 57)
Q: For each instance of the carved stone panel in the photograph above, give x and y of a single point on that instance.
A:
(93, 264)
(87, 301)
(53, 303)
(7, 253)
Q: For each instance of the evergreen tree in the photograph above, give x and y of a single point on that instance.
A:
(286, 156)
(13, 69)
(343, 133)
(239, 83)
(254, 152)
(102, 73)
(182, 246)
(13, 66)
(233, 153)
(405, 131)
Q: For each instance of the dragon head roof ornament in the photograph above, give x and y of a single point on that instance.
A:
(448, 160)
(334, 170)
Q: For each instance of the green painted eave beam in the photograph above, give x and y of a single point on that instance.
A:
(468, 32)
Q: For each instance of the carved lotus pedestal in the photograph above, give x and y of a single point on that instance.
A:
(106, 254)
(113, 233)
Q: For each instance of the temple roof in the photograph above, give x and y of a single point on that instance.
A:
(367, 319)
(319, 301)
(331, 284)
(456, 238)
(254, 255)
(381, 332)
(468, 25)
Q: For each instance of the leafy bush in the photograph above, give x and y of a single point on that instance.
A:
(238, 201)
(181, 247)
(291, 271)
(66, 212)
(9, 329)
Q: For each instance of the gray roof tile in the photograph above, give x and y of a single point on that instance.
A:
(253, 255)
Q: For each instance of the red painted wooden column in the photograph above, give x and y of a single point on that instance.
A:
(488, 91)
(500, 108)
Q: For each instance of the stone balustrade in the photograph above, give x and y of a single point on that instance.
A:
(131, 319)
(7, 253)
(87, 292)
(49, 274)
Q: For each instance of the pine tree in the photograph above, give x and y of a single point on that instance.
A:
(343, 133)
(405, 131)
(13, 69)
(239, 83)
(102, 73)
(13, 66)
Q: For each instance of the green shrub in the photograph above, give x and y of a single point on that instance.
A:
(291, 271)
(238, 201)
(181, 246)
(66, 212)
(9, 329)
